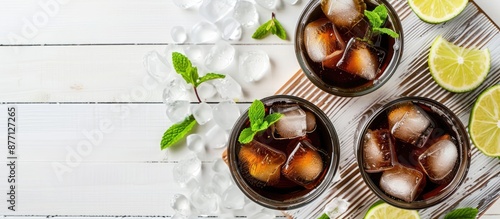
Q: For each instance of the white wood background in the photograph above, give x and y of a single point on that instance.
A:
(92, 51)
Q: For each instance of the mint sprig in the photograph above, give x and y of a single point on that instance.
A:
(324, 216)
(377, 18)
(258, 121)
(176, 132)
(189, 73)
(272, 26)
(185, 68)
(462, 213)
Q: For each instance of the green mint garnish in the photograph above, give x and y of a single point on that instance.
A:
(462, 213)
(258, 121)
(177, 131)
(185, 68)
(324, 216)
(377, 18)
(272, 26)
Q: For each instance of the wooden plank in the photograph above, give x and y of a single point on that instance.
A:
(115, 22)
(114, 73)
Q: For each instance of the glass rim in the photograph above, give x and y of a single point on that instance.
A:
(347, 92)
(301, 200)
(464, 154)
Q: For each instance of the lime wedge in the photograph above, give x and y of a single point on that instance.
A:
(383, 210)
(484, 122)
(458, 69)
(437, 11)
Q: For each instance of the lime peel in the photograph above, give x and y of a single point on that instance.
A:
(484, 122)
(381, 209)
(437, 11)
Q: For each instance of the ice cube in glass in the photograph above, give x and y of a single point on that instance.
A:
(439, 161)
(402, 182)
(361, 59)
(322, 41)
(410, 124)
(292, 124)
(261, 164)
(343, 13)
(378, 150)
(304, 164)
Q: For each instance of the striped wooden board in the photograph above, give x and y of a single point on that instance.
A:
(471, 29)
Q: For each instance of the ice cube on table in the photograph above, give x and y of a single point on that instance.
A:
(336, 207)
(221, 182)
(253, 65)
(321, 41)
(269, 4)
(202, 113)
(178, 110)
(246, 13)
(233, 198)
(361, 59)
(204, 32)
(186, 169)
(206, 90)
(230, 28)
(217, 137)
(343, 13)
(228, 88)
(226, 113)
(291, 2)
(205, 199)
(378, 150)
(439, 161)
(292, 124)
(214, 10)
(176, 89)
(220, 56)
(304, 164)
(402, 182)
(262, 215)
(195, 143)
(410, 124)
(178, 34)
(260, 164)
(181, 205)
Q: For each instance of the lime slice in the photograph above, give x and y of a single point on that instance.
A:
(458, 69)
(484, 122)
(437, 11)
(383, 210)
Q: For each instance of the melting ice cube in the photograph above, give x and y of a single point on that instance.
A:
(438, 161)
(402, 182)
(321, 41)
(378, 151)
(304, 164)
(310, 122)
(292, 124)
(260, 163)
(410, 124)
(343, 13)
(361, 59)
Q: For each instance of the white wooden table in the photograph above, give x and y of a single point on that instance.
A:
(88, 55)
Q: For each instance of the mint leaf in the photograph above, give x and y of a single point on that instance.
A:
(272, 118)
(177, 131)
(180, 62)
(324, 216)
(189, 74)
(280, 30)
(386, 31)
(208, 77)
(271, 26)
(381, 11)
(246, 136)
(262, 31)
(462, 213)
(374, 19)
(256, 114)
